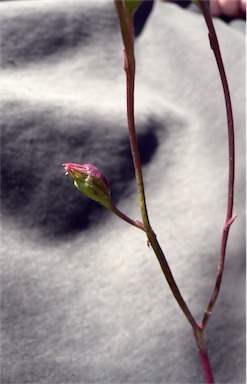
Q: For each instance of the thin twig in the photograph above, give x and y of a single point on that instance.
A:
(229, 215)
(204, 356)
(126, 26)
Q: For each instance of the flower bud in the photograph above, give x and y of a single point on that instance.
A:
(90, 181)
(131, 6)
(197, 2)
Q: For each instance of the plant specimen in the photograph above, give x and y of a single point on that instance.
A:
(89, 180)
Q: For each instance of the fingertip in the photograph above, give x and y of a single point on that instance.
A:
(243, 6)
(215, 8)
(229, 7)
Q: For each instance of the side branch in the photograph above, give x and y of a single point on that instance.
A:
(126, 25)
(231, 148)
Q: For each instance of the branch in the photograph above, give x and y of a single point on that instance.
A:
(231, 148)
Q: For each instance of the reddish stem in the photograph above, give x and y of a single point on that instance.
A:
(126, 26)
(229, 217)
(206, 367)
(203, 355)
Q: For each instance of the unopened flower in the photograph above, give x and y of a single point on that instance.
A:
(197, 2)
(90, 181)
(131, 6)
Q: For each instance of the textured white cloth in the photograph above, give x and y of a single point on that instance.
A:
(83, 297)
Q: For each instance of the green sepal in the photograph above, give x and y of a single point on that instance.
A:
(95, 190)
(90, 181)
(197, 3)
(131, 6)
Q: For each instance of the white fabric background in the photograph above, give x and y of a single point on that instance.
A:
(83, 298)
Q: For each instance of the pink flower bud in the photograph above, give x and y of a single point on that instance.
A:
(89, 180)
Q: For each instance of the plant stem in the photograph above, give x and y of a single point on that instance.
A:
(120, 214)
(203, 355)
(126, 26)
(231, 148)
(170, 279)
